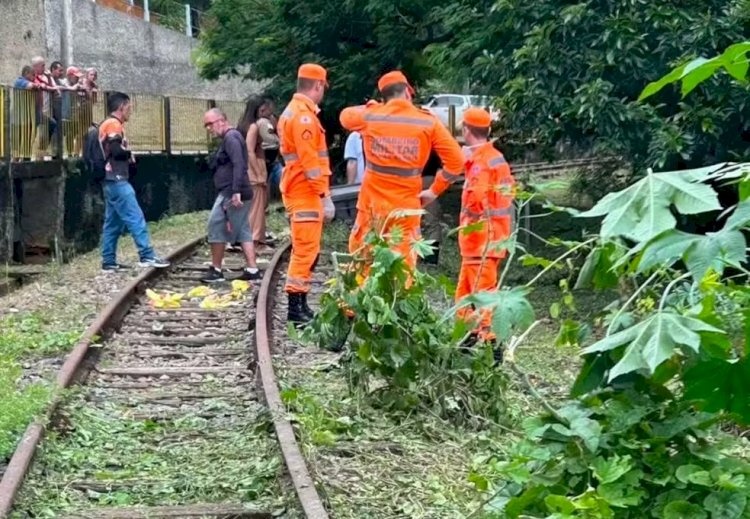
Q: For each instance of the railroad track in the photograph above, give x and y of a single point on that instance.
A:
(166, 409)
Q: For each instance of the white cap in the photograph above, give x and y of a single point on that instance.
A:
(37, 60)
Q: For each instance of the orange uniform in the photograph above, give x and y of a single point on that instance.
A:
(397, 139)
(487, 209)
(303, 185)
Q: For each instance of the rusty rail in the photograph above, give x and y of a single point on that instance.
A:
(104, 323)
(295, 462)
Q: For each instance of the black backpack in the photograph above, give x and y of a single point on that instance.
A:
(93, 153)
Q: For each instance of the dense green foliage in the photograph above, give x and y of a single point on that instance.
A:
(672, 362)
(573, 72)
(562, 72)
(356, 40)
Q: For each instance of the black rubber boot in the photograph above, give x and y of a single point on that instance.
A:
(297, 314)
(469, 343)
(305, 308)
(433, 258)
(497, 352)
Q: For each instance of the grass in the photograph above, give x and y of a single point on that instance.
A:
(42, 321)
(92, 460)
(373, 464)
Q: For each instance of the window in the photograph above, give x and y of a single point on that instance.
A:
(442, 101)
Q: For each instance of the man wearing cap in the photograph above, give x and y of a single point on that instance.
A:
(398, 138)
(486, 216)
(72, 95)
(305, 184)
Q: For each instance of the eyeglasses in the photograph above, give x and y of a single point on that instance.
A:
(211, 123)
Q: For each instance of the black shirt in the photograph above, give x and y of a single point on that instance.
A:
(230, 166)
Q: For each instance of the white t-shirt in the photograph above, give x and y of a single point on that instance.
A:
(353, 150)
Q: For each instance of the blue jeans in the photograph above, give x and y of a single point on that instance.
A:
(121, 211)
(274, 175)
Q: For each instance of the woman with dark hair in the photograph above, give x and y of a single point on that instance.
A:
(256, 109)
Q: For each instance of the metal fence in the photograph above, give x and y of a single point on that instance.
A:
(40, 125)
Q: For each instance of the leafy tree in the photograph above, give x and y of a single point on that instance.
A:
(639, 437)
(573, 72)
(355, 40)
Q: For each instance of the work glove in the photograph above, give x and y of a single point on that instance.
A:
(427, 197)
(329, 210)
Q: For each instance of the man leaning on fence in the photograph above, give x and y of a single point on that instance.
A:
(121, 209)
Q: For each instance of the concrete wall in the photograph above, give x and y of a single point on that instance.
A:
(131, 55)
(22, 36)
(135, 56)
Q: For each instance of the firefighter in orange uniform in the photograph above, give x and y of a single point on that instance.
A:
(486, 209)
(397, 139)
(305, 184)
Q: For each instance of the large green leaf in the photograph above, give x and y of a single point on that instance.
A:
(725, 505)
(511, 309)
(643, 210)
(651, 342)
(611, 469)
(683, 510)
(599, 268)
(696, 71)
(712, 251)
(718, 385)
(740, 217)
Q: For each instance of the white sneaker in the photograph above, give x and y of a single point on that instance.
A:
(154, 262)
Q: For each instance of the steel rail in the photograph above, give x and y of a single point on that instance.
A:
(308, 496)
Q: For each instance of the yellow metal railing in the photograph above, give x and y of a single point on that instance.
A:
(234, 110)
(188, 135)
(36, 121)
(29, 124)
(78, 110)
(146, 127)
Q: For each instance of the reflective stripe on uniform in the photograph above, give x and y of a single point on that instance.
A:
(287, 113)
(312, 173)
(496, 161)
(492, 212)
(293, 156)
(398, 119)
(391, 170)
(306, 216)
(451, 177)
(300, 283)
(473, 260)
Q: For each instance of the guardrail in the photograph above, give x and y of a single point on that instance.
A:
(39, 125)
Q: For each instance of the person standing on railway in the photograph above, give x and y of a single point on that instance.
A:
(121, 209)
(486, 214)
(305, 186)
(229, 219)
(398, 138)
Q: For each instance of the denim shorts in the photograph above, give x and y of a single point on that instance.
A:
(229, 224)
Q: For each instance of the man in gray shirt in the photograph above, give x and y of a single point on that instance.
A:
(228, 222)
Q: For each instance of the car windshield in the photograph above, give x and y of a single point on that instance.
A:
(479, 100)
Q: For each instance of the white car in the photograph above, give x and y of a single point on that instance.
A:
(439, 104)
